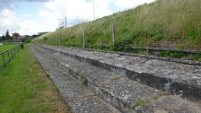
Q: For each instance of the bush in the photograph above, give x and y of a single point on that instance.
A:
(197, 56)
(158, 37)
(29, 39)
(123, 45)
(172, 54)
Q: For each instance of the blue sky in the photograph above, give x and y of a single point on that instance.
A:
(33, 16)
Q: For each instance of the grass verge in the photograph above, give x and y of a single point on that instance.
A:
(25, 87)
(6, 47)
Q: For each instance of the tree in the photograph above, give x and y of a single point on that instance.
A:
(7, 35)
(3, 37)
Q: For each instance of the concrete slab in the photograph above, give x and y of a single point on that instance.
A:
(90, 105)
(125, 94)
(169, 104)
(77, 96)
(176, 78)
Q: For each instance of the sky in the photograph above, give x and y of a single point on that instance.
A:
(28, 17)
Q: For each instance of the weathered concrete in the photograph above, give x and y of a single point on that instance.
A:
(176, 78)
(124, 94)
(79, 98)
(170, 106)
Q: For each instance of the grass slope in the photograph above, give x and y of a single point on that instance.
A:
(164, 22)
(25, 88)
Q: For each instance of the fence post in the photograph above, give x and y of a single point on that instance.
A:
(113, 33)
(4, 63)
(59, 40)
(69, 38)
(15, 50)
(54, 40)
(84, 39)
(8, 56)
(12, 52)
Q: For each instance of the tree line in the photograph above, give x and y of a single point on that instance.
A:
(6, 36)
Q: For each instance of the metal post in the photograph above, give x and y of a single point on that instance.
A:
(84, 39)
(69, 37)
(60, 40)
(8, 56)
(66, 21)
(57, 40)
(12, 52)
(52, 41)
(94, 9)
(113, 33)
(4, 63)
(59, 23)
(16, 49)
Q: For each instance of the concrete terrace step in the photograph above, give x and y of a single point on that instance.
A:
(79, 98)
(175, 78)
(115, 88)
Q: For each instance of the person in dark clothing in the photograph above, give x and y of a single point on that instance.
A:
(22, 45)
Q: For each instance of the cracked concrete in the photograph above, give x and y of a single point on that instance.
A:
(180, 77)
(107, 77)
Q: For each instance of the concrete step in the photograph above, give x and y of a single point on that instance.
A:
(116, 89)
(78, 97)
(176, 78)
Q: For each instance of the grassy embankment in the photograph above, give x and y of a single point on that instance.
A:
(173, 23)
(25, 88)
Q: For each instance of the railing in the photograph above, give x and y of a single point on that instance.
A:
(7, 55)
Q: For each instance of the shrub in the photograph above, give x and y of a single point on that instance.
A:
(172, 54)
(197, 56)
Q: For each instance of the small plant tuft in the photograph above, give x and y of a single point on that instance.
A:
(172, 54)
(140, 102)
(85, 82)
(116, 78)
(197, 56)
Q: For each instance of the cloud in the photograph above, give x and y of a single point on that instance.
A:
(76, 11)
(16, 22)
(23, 26)
(128, 4)
(8, 4)
(30, 27)
(8, 20)
(47, 18)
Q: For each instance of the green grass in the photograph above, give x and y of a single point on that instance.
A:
(163, 22)
(25, 88)
(172, 54)
(6, 54)
(7, 46)
(197, 56)
(140, 102)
